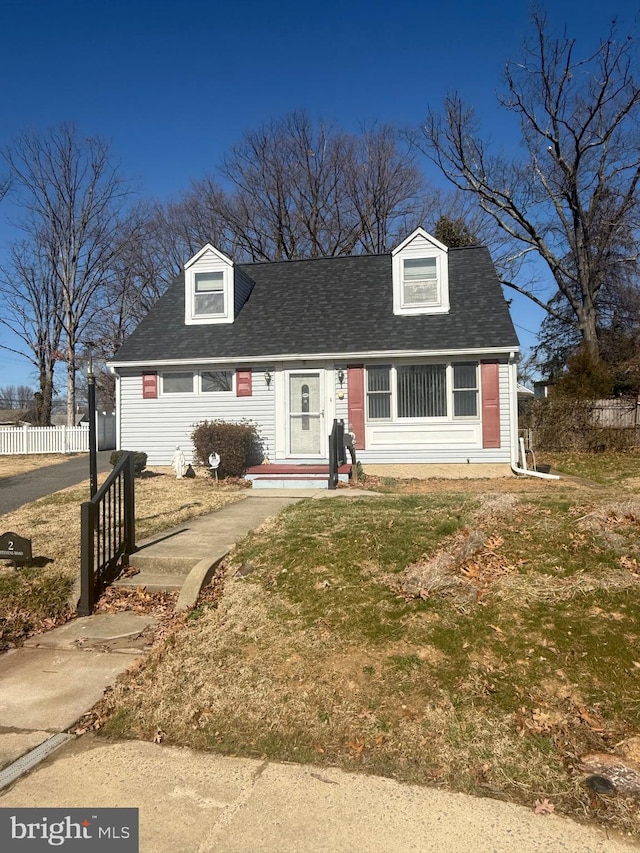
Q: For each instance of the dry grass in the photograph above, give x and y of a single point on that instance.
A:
(10, 466)
(33, 599)
(313, 654)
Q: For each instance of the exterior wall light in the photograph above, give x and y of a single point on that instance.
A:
(267, 377)
(341, 376)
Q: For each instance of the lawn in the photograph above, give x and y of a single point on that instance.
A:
(35, 598)
(10, 466)
(482, 641)
(611, 469)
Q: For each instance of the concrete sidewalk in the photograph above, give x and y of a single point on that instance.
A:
(191, 801)
(194, 802)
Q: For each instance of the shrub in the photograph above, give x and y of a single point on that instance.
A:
(237, 444)
(564, 424)
(139, 460)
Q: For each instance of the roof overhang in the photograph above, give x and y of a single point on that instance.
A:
(320, 356)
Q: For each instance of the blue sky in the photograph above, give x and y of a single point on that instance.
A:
(174, 85)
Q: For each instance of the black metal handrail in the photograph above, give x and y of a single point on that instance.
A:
(336, 452)
(108, 535)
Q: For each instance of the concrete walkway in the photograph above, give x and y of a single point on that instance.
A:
(191, 801)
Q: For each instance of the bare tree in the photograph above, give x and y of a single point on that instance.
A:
(32, 310)
(24, 396)
(5, 184)
(573, 197)
(300, 189)
(8, 397)
(72, 199)
(385, 188)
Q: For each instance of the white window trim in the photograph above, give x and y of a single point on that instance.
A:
(393, 383)
(208, 259)
(452, 391)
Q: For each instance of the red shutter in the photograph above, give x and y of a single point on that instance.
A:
(149, 386)
(490, 404)
(355, 403)
(244, 387)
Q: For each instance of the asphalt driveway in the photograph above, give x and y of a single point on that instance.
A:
(27, 487)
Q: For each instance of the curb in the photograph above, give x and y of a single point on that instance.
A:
(195, 580)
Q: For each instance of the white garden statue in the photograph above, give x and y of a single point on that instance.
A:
(178, 463)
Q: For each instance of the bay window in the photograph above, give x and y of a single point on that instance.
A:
(421, 391)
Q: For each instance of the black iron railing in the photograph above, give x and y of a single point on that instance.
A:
(336, 452)
(107, 533)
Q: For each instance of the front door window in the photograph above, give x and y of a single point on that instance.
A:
(305, 414)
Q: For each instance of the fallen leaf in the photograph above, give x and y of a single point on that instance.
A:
(356, 745)
(594, 723)
(544, 807)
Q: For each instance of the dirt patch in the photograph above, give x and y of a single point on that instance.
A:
(502, 485)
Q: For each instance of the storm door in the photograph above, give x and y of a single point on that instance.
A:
(306, 414)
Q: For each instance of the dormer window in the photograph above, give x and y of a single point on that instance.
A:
(209, 288)
(420, 275)
(208, 299)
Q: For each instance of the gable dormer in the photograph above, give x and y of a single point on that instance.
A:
(209, 288)
(420, 275)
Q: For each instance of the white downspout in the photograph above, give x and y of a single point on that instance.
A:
(513, 380)
(524, 470)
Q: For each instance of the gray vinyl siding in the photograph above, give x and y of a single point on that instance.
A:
(342, 406)
(157, 426)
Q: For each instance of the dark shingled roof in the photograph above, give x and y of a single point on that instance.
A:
(331, 305)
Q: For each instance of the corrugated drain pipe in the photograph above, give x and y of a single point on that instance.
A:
(524, 470)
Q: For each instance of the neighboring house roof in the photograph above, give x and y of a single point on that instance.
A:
(330, 306)
(524, 392)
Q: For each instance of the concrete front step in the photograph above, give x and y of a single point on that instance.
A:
(172, 564)
(303, 476)
(289, 483)
(153, 581)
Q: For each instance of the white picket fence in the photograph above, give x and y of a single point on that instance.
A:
(55, 439)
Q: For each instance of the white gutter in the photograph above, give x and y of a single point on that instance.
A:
(524, 470)
(322, 356)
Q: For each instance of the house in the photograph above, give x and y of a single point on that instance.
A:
(415, 350)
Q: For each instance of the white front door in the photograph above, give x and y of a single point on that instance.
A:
(306, 423)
